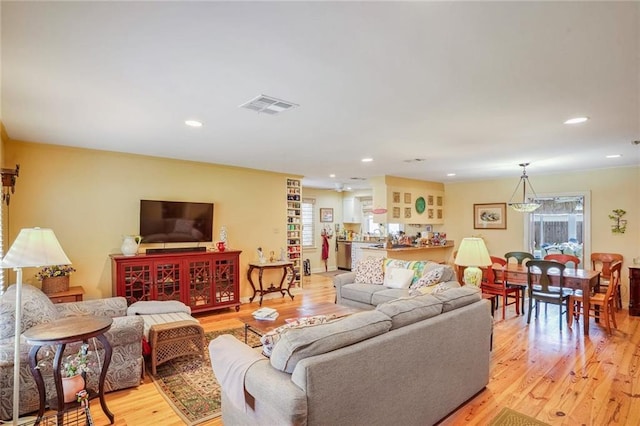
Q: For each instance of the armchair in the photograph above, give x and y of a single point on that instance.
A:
(125, 337)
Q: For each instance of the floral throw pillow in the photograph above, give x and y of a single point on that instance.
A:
(270, 339)
(430, 278)
(432, 289)
(369, 271)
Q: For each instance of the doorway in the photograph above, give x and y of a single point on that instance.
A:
(560, 225)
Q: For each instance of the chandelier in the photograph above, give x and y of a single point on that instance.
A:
(524, 206)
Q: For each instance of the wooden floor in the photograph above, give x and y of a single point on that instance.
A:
(559, 378)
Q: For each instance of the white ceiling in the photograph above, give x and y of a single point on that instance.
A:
(472, 88)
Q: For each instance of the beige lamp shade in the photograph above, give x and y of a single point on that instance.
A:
(35, 247)
(472, 253)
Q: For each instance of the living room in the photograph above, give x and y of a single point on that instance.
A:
(89, 193)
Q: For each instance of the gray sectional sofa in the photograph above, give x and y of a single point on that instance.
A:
(368, 296)
(410, 361)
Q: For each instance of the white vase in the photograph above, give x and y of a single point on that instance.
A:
(130, 244)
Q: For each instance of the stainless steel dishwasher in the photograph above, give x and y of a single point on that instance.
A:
(344, 255)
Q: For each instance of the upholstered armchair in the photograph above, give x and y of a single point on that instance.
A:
(125, 337)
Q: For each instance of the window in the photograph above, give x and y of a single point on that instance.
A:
(308, 222)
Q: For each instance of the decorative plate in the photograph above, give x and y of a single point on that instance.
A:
(420, 205)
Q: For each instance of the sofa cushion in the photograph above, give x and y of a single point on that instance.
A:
(387, 295)
(398, 277)
(408, 310)
(362, 293)
(300, 343)
(448, 274)
(431, 289)
(455, 298)
(369, 271)
(37, 308)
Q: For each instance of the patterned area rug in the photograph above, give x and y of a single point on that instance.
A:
(509, 417)
(189, 385)
(332, 273)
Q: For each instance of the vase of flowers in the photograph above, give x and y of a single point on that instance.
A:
(73, 367)
(55, 278)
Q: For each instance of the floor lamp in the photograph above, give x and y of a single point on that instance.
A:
(34, 247)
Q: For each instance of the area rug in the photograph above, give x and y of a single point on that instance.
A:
(509, 417)
(189, 385)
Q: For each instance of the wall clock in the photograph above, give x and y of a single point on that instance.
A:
(420, 205)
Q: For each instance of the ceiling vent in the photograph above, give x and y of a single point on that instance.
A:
(268, 105)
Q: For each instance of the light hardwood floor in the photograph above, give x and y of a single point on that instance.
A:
(559, 378)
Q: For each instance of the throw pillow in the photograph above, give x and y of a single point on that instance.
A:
(270, 339)
(369, 271)
(430, 278)
(398, 277)
(432, 289)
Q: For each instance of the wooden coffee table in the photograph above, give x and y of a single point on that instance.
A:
(261, 327)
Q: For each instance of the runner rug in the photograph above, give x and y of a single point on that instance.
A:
(509, 417)
(189, 385)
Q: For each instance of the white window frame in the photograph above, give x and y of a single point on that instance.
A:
(308, 224)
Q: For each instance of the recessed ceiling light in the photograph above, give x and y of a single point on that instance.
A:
(614, 156)
(576, 120)
(367, 160)
(193, 123)
(451, 174)
(332, 175)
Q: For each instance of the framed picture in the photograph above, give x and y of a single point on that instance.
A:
(407, 198)
(407, 212)
(430, 200)
(439, 198)
(396, 212)
(326, 214)
(396, 197)
(490, 216)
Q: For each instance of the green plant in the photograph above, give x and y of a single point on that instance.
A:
(72, 365)
(54, 271)
(620, 225)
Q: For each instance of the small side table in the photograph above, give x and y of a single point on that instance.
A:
(284, 265)
(60, 332)
(74, 294)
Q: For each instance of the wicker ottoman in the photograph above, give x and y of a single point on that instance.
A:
(173, 335)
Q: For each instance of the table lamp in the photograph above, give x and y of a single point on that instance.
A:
(34, 247)
(472, 254)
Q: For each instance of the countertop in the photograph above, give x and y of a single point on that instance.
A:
(411, 248)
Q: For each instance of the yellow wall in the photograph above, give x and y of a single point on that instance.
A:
(91, 199)
(323, 199)
(609, 189)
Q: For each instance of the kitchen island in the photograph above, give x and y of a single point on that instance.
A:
(440, 254)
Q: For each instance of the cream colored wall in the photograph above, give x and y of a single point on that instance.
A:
(323, 199)
(91, 198)
(609, 189)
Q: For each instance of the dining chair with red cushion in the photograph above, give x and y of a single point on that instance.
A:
(494, 283)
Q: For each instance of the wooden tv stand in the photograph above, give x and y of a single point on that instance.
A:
(203, 281)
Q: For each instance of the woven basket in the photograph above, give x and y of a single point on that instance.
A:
(55, 284)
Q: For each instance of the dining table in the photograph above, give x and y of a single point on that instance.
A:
(577, 279)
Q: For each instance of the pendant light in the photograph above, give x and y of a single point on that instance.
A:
(524, 206)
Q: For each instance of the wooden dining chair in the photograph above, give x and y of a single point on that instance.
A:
(494, 283)
(564, 259)
(601, 304)
(602, 262)
(520, 257)
(541, 289)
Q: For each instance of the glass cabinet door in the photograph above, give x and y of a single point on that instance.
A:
(225, 270)
(167, 281)
(137, 282)
(200, 283)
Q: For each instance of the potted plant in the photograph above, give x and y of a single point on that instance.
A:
(55, 278)
(73, 368)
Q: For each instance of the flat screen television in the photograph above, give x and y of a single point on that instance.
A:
(175, 221)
